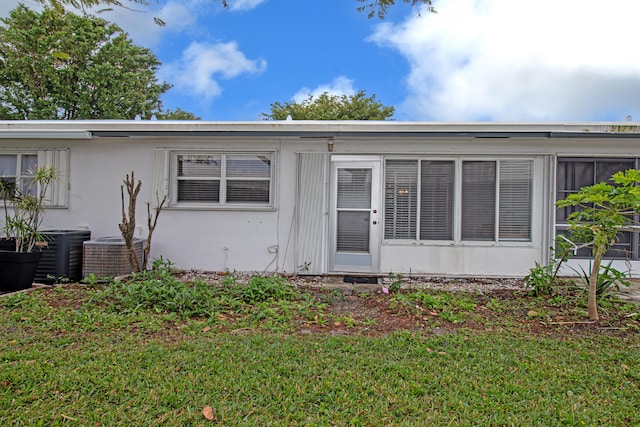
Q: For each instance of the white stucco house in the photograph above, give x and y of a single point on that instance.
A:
(330, 197)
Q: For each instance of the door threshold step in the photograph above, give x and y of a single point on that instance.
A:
(362, 280)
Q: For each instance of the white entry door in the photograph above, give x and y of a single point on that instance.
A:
(355, 215)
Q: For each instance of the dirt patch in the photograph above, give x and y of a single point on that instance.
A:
(433, 305)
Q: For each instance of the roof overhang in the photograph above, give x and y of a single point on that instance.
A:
(89, 129)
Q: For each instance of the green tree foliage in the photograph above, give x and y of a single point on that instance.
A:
(57, 65)
(331, 107)
(177, 114)
(604, 209)
(378, 8)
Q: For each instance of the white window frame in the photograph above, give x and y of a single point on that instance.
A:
(457, 204)
(58, 191)
(222, 204)
(20, 177)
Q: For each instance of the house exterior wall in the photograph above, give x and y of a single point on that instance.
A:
(270, 239)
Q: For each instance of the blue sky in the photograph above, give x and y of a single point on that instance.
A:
(475, 60)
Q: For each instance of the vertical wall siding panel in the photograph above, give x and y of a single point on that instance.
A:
(58, 192)
(311, 213)
(160, 174)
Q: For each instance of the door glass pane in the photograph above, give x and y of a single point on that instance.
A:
(353, 231)
(354, 188)
(478, 200)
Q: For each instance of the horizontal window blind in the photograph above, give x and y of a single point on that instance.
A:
(478, 200)
(354, 188)
(199, 191)
(400, 199)
(436, 200)
(353, 231)
(247, 191)
(515, 200)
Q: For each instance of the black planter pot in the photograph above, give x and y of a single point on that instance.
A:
(17, 269)
(7, 244)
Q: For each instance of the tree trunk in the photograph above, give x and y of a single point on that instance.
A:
(151, 224)
(128, 225)
(592, 304)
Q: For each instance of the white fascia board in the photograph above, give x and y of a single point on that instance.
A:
(83, 128)
(36, 134)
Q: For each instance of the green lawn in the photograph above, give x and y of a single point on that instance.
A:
(66, 359)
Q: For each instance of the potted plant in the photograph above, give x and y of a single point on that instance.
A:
(23, 204)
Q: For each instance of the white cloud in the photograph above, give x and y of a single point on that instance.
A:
(339, 86)
(520, 60)
(237, 5)
(137, 21)
(8, 5)
(202, 65)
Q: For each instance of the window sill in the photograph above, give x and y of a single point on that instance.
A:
(464, 244)
(247, 208)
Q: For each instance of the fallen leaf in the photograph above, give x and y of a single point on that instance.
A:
(208, 413)
(206, 329)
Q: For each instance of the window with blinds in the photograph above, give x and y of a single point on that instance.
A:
(223, 179)
(515, 200)
(478, 200)
(436, 200)
(401, 199)
(495, 198)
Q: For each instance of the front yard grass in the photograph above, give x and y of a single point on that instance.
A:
(67, 358)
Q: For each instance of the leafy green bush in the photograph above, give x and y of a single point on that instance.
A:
(541, 279)
(158, 289)
(609, 279)
(266, 288)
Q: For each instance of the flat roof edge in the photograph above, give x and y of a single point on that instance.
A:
(84, 128)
